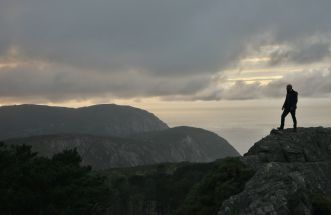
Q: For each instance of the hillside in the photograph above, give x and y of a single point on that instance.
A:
(285, 173)
(106, 120)
(169, 145)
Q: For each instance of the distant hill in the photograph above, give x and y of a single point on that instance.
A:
(194, 143)
(169, 145)
(104, 120)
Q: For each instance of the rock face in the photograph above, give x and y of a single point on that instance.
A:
(169, 145)
(107, 120)
(290, 168)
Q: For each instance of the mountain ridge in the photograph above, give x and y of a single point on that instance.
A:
(105, 119)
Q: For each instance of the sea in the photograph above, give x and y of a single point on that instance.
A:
(242, 123)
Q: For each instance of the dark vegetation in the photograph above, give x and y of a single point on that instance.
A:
(30, 184)
(321, 204)
(59, 184)
(156, 189)
(184, 188)
(226, 179)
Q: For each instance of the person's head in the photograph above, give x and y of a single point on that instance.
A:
(289, 87)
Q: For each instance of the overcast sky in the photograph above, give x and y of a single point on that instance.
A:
(68, 51)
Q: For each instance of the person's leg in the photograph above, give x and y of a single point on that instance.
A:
(294, 119)
(284, 114)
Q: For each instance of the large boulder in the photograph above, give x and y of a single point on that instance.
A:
(292, 168)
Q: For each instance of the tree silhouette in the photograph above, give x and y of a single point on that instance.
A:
(30, 184)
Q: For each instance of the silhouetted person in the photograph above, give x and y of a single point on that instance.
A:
(290, 105)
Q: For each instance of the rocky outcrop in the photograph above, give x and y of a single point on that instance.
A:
(107, 120)
(169, 145)
(290, 168)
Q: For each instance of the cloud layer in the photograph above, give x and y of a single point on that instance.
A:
(175, 49)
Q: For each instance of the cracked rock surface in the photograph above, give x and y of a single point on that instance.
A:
(290, 167)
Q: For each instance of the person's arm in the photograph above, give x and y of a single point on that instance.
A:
(284, 103)
(294, 100)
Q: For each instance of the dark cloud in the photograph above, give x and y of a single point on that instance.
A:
(129, 48)
(56, 83)
(311, 83)
(305, 54)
